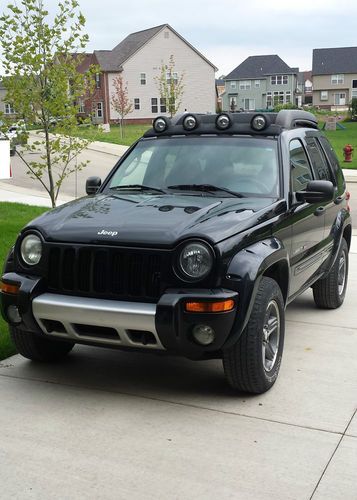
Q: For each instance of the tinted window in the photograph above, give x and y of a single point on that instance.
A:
(300, 169)
(333, 160)
(318, 160)
(245, 165)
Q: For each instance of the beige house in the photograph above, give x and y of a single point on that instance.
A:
(334, 74)
(138, 59)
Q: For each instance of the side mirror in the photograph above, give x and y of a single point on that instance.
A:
(93, 184)
(316, 192)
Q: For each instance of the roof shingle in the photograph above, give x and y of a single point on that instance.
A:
(334, 60)
(259, 67)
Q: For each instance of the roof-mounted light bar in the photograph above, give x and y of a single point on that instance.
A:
(160, 124)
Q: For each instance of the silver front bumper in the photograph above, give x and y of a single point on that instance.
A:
(108, 322)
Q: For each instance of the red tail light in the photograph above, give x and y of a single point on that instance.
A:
(348, 196)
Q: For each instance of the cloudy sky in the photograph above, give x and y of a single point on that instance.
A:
(228, 31)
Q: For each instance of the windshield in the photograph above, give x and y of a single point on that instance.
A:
(244, 165)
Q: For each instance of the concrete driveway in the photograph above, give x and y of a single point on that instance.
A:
(106, 424)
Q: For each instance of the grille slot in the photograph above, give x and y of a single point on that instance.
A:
(109, 272)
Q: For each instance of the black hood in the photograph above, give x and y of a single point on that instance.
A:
(153, 220)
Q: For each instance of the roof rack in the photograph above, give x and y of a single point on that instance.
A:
(242, 123)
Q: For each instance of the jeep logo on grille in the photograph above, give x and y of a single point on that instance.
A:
(103, 232)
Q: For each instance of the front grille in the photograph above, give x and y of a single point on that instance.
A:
(121, 273)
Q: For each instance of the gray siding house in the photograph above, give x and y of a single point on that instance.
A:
(260, 82)
(334, 75)
(5, 107)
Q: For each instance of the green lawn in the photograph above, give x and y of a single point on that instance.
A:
(13, 216)
(131, 133)
(339, 138)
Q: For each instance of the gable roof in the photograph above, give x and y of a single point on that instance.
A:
(112, 60)
(334, 60)
(260, 66)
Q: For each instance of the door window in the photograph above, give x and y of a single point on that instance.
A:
(318, 160)
(301, 173)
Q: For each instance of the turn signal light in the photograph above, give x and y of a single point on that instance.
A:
(208, 307)
(6, 288)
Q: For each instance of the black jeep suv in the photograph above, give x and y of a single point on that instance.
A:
(194, 244)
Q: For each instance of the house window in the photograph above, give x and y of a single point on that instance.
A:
(245, 84)
(143, 78)
(256, 84)
(99, 110)
(81, 106)
(9, 110)
(233, 85)
(354, 89)
(269, 100)
(340, 99)
(97, 80)
(232, 103)
(279, 80)
(288, 96)
(170, 75)
(136, 103)
(324, 95)
(154, 106)
(162, 105)
(336, 79)
(248, 104)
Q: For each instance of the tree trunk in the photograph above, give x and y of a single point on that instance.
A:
(49, 168)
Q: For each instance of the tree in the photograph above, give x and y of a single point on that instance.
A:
(41, 54)
(170, 86)
(120, 101)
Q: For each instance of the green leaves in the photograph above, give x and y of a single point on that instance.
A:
(43, 83)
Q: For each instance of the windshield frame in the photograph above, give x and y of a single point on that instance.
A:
(106, 188)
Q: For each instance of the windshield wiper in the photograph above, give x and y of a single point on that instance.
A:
(137, 187)
(205, 188)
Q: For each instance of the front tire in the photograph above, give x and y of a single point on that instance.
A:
(252, 364)
(329, 292)
(39, 348)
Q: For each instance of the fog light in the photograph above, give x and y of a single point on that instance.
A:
(259, 122)
(223, 121)
(190, 122)
(13, 314)
(203, 334)
(160, 124)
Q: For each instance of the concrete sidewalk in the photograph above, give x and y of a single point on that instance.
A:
(114, 425)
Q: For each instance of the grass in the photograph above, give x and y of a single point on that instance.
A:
(339, 139)
(131, 134)
(13, 217)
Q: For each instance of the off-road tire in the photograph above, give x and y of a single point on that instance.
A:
(327, 291)
(38, 348)
(243, 363)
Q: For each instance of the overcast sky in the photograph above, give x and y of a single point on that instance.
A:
(228, 31)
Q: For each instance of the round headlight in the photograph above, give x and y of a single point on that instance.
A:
(259, 122)
(31, 249)
(190, 122)
(160, 124)
(196, 260)
(223, 122)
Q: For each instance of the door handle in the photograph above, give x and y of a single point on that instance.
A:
(339, 200)
(320, 211)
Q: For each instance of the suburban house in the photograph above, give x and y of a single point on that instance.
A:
(307, 87)
(220, 89)
(5, 107)
(260, 82)
(334, 73)
(138, 59)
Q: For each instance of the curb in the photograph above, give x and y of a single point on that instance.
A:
(350, 175)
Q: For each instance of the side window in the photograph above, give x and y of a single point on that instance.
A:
(300, 169)
(318, 160)
(333, 160)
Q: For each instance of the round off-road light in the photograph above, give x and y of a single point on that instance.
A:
(203, 334)
(223, 122)
(31, 249)
(259, 122)
(195, 261)
(190, 122)
(13, 314)
(160, 124)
